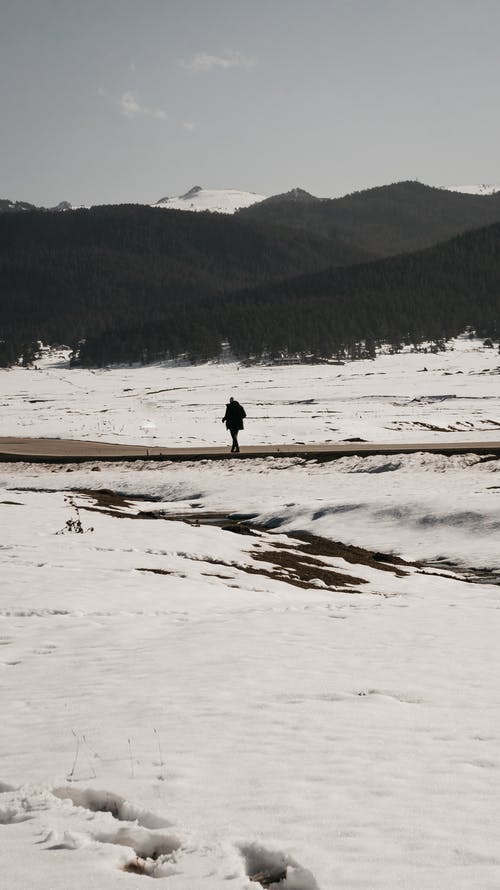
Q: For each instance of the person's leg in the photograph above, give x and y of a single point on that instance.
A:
(234, 436)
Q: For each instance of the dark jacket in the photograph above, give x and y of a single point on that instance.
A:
(234, 415)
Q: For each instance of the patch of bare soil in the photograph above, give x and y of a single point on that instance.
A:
(300, 562)
(157, 571)
(297, 562)
(268, 878)
(314, 545)
(217, 575)
(107, 500)
(289, 565)
(114, 504)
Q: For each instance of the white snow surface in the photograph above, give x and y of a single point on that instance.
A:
(214, 200)
(449, 396)
(169, 708)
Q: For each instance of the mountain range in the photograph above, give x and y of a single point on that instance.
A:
(383, 221)
(400, 263)
(198, 198)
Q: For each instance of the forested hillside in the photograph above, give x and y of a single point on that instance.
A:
(66, 276)
(137, 283)
(405, 216)
(430, 295)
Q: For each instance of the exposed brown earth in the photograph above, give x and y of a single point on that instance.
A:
(301, 562)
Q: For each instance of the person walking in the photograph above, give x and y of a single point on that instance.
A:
(233, 418)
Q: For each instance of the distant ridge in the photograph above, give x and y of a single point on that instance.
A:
(8, 206)
(383, 221)
(483, 189)
(295, 194)
(196, 198)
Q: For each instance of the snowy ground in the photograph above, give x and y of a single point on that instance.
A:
(205, 707)
(408, 397)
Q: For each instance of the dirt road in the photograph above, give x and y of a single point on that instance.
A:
(75, 451)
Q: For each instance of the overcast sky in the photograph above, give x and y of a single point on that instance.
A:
(132, 100)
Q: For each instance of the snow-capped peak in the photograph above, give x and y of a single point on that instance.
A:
(63, 205)
(192, 192)
(214, 200)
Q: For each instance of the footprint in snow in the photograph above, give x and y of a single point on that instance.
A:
(12, 812)
(108, 802)
(275, 870)
(150, 847)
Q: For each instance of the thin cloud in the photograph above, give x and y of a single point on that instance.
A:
(190, 126)
(130, 106)
(208, 62)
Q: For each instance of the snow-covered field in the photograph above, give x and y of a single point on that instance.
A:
(206, 708)
(412, 397)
